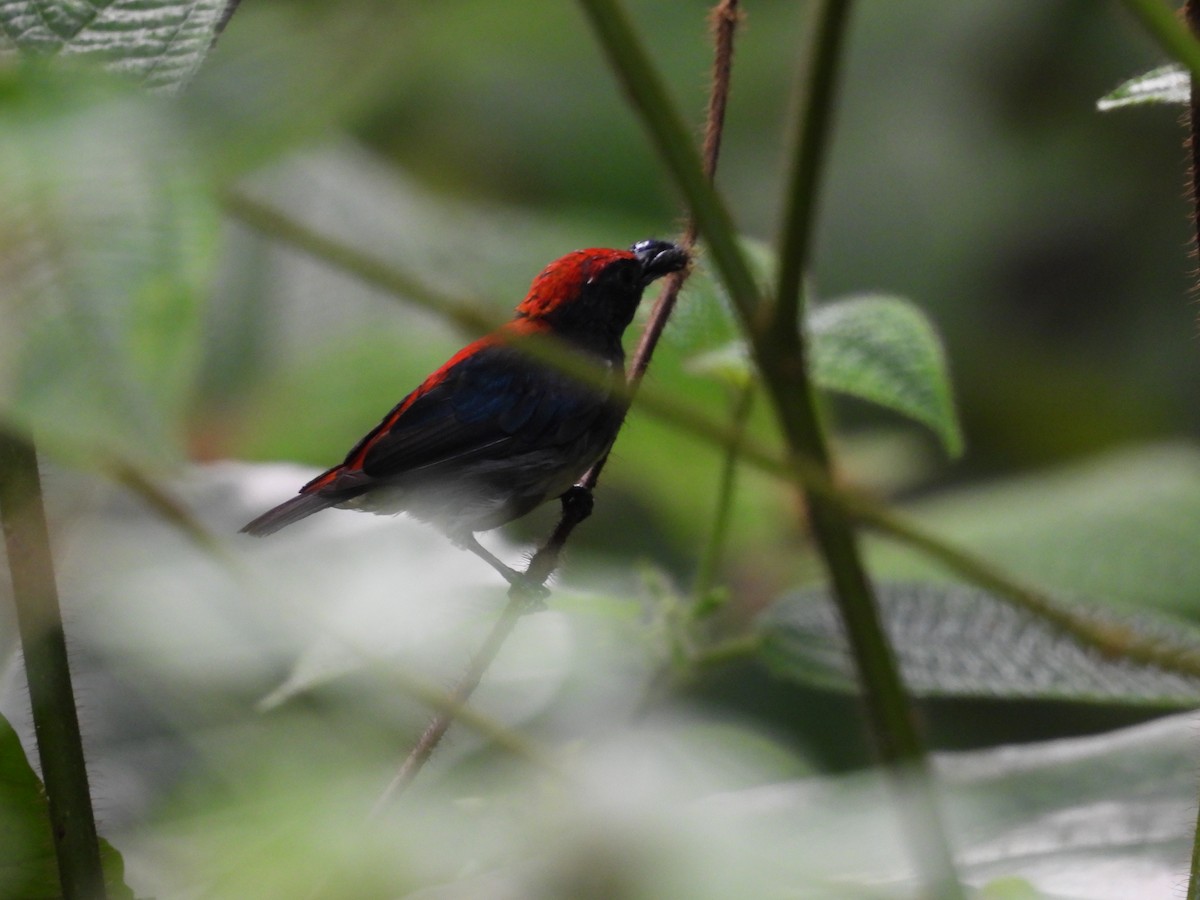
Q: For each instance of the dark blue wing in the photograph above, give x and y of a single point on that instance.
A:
(489, 405)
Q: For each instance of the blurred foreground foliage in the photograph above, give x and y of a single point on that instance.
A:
(243, 709)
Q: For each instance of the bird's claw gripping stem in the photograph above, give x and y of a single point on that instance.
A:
(578, 502)
(532, 595)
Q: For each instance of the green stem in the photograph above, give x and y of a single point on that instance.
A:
(1166, 28)
(813, 127)
(275, 222)
(779, 352)
(710, 559)
(648, 95)
(55, 722)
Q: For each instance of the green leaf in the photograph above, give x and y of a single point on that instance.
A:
(1119, 528)
(105, 254)
(729, 364)
(955, 641)
(161, 44)
(885, 350)
(28, 867)
(1105, 816)
(881, 349)
(1166, 84)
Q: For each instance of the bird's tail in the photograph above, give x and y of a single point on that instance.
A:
(299, 507)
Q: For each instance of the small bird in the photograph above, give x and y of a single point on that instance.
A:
(494, 433)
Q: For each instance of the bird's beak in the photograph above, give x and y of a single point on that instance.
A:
(659, 258)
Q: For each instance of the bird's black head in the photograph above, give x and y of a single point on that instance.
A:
(589, 297)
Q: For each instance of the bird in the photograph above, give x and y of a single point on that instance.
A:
(494, 433)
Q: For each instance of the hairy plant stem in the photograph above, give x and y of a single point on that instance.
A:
(577, 503)
(440, 724)
(1192, 142)
(1191, 11)
(778, 349)
(1171, 33)
(55, 721)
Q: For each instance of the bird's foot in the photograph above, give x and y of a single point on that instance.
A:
(532, 596)
(578, 502)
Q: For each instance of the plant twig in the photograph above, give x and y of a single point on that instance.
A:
(814, 123)
(55, 721)
(577, 503)
(438, 727)
(778, 349)
(1163, 25)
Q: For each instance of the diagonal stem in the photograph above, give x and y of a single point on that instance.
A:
(577, 502)
(778, 349)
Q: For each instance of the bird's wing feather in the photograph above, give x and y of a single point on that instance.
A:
(495, 399)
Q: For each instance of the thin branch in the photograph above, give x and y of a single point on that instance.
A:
(648, 96)
(1192, 16)
(724, 20)
(1166, 28)
(779, 354)
(814, 124)
(263, 217)
(55, 721)
(456, 701)
(577, 503)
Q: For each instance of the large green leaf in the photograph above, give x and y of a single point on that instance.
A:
(1119, 528)
(160, 43)
(1096, 818)
(877, 348)
(955, 641)
(28, 868)
(1166, 84)
(105, 248)
(885, 350)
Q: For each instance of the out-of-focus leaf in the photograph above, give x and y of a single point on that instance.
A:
(161, 43)
(955, 641)
(885, 350)
(1099, 818)
(28, 867)
(881, 349)
(1166, 84)
(729, 364)
(1120, 528)
(104, 258)
(290, 75)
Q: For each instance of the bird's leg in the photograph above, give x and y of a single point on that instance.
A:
(534, 593)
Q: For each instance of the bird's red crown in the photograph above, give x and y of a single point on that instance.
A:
(562, 280)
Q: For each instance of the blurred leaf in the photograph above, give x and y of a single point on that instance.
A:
(105, 253)
(1166, 84)
(1119, 528)
(161, 42)
(729, 364)
(881, 349)
(28, 867)
(1097, 818)
(885, 349)
(960, 642)
(286, 76)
